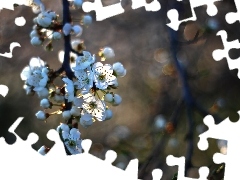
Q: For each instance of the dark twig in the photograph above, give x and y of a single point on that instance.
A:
(67, 41)
(158, 150)
(77, 53)
(67, 48)
(190, 103)
(187, 96)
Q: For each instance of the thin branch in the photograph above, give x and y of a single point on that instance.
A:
(189, 138)
(158, 150)
(67, 41)
(77, 53)
(67, 48)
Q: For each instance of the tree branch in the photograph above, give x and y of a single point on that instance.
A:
(67, 48)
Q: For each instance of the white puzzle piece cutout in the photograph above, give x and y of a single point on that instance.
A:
(173, 14)
(219, 54)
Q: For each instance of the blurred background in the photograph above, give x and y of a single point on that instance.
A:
(142, 125)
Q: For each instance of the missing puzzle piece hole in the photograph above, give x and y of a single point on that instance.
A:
(234, 53)
(10, 138)
(234, 117)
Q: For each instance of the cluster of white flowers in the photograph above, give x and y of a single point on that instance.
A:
(84, 97)
(71, 138)
(35, 76)
(48, 26)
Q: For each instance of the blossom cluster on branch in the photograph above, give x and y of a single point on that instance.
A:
(86, 94)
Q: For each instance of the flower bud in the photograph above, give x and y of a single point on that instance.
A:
(117, 100)
(41, 115)
(44, 20)
(36, 41)
(108, 97)
(67, 29)
(87, 20)
(45, 103)
(108, 52)
(66, 115)
(43, 93)
(86, 123)
(57, 35)
(33, 34)
(119, 69)
(78, 45)
(63, 127)
(77, 3)
(75, 111)
(35, 20)
(77, 30)
(75, 134)
(109, 114)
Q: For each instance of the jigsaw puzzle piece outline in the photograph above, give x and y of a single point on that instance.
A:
(153, 6)
(101, 11)
(173, 14)
(180, 162)
(226, 130)
(232, 17)
(219, 54)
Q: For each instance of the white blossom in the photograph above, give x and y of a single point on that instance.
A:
(119, 69)
(69, 89)
(83, 62)
(72, 141)
(103, 75)
(35, 75)
(94, 106)
(84, 80)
